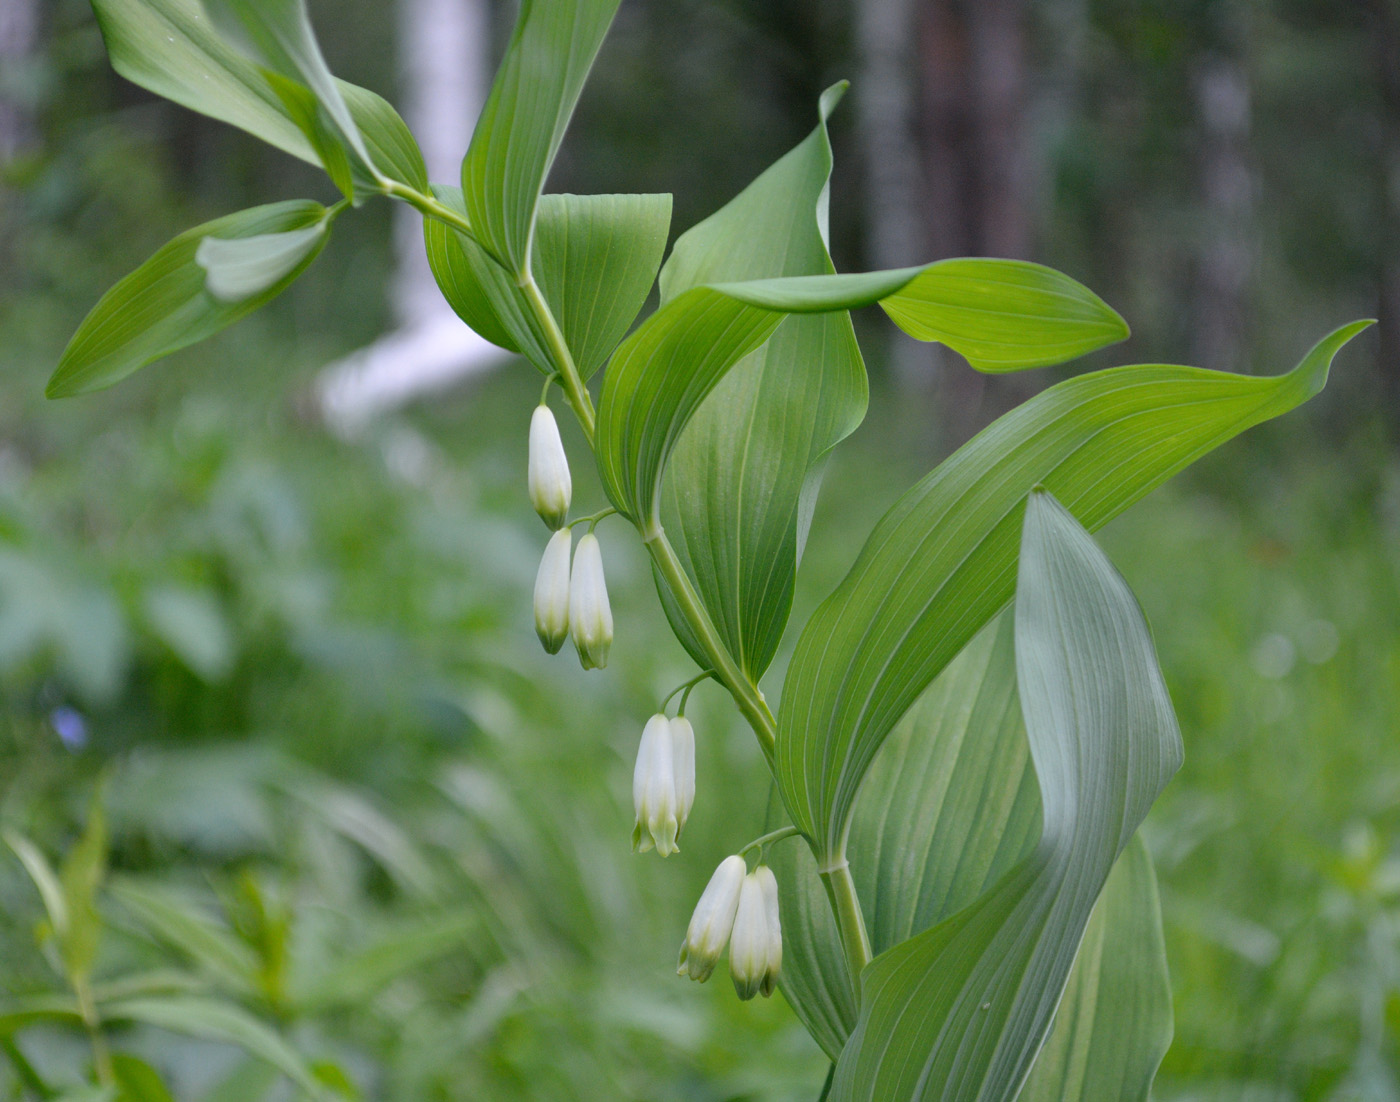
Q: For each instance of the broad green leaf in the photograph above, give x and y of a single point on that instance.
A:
(239, 268)
(81, 874)
(961, 1010)
(212, 1020)
(595, 260)
(207, 943)
(744, 477)
(45, 880)
(24, 1011)
(277, 35)
(662, 372)
(942, 561)
(1114, 1023)
(169, 48)
(137, 1081)
(524, 118)
(166, 305)
(950, 804)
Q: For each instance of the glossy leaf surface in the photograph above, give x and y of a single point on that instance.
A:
(950, 804)
(745, 472)
(960, 1010)
(942, 562)
(596, 258)
(169, 48)
(524, 119)
(165, 304)
(1114, 1022)
(662, 373)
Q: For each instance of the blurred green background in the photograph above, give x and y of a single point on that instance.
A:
(344, 788)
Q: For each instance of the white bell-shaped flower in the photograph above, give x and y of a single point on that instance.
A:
(552, 591)
(654, 790)
(590, 617)
(756, 947)
(550, 485)
(683, 765)
(712, 921)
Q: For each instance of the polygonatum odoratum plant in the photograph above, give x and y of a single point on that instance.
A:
(973, 725)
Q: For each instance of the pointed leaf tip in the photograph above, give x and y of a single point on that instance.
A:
(831, 97)
(1314, 368)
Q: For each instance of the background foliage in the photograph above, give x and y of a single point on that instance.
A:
(306, 668)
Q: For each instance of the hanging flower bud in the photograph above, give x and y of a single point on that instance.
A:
(590, 617)
(712, 921)
(654, 790)
(550, 485)
(683, 765)
(756, 950)
(552, 591)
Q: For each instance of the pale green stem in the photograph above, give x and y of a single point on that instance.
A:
(726, 670)
(841, 890)
(101, 1057)
(768, 839)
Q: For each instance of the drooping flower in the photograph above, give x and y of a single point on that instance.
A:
(550, 485)
(712, 921)
(683, 764)
(756, 947)
(590, 617)
(654, 790)
(552, 591)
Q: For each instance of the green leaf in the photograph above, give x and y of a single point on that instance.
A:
(744, 477)
(209, 944)
(192, 624)
(595, 259)
(45, 879)
(524, 118)
(165, 304)
(1114, 1023)
(81, 875)
(27, 1010)
(942, 561)
(663, 371)
(950, 804)
(960, 1010)
(137, 1081)
(239, 268)
(169, 48)
(277, 35)
(212, 1020)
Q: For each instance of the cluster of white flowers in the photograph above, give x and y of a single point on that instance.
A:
(738, 908)
(568, 600)
(741, 908)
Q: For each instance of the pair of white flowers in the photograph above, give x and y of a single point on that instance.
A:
(741, 908)
(571, 598)
(663, 783)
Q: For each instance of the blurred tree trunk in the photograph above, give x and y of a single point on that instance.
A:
(977, 165)
(887, 100)
(1386, 37)
(1220, 338)
(19, 34)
